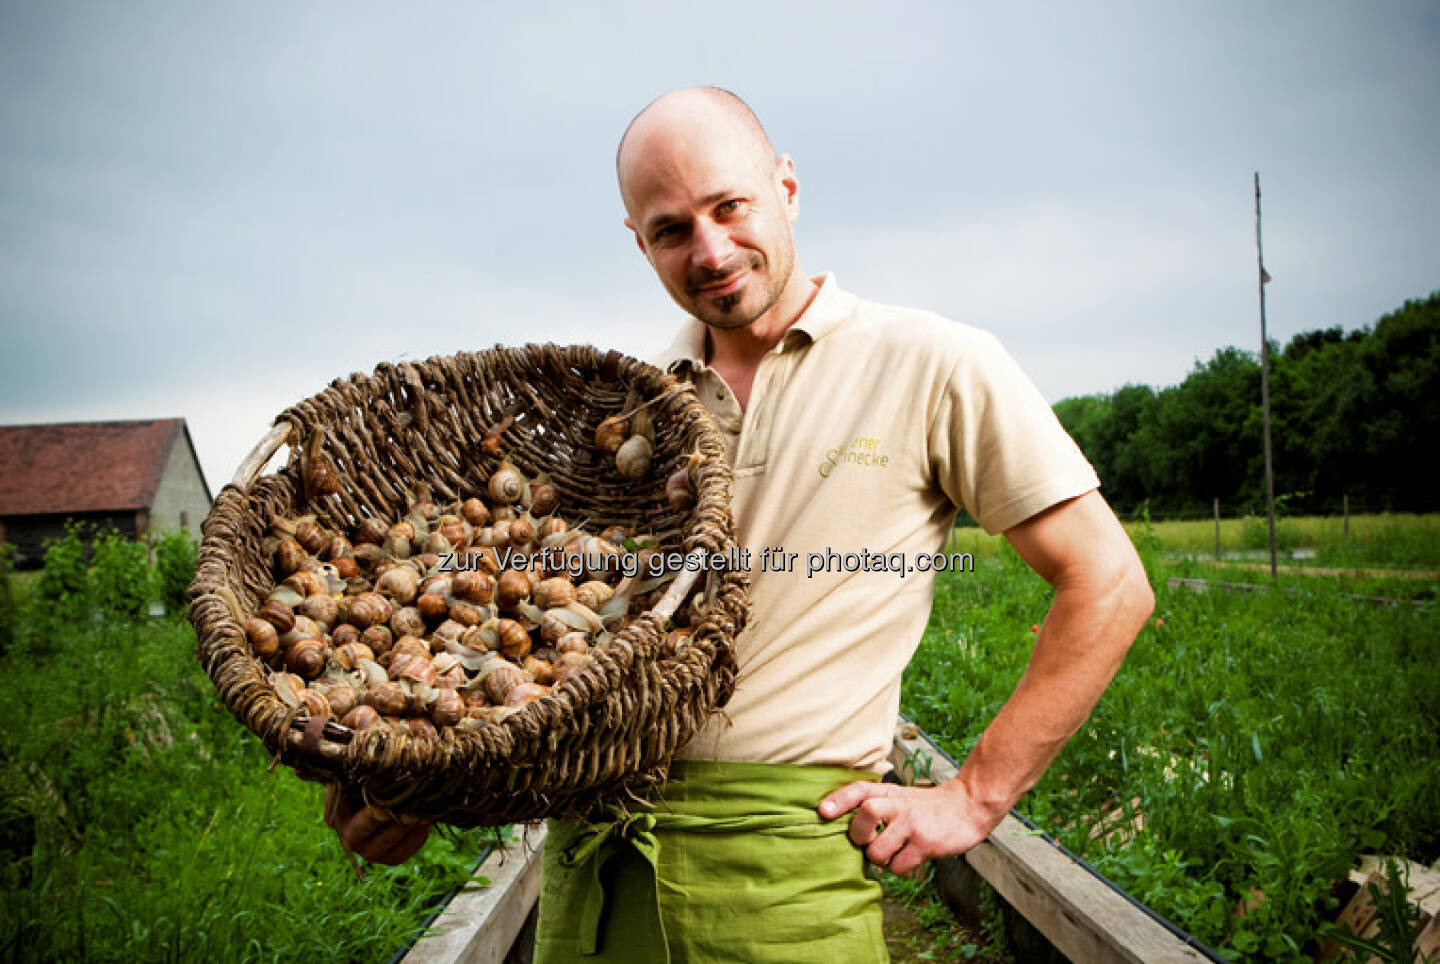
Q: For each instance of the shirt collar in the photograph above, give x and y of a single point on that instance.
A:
(828, 310)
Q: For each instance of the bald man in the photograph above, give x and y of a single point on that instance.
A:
(854, 430)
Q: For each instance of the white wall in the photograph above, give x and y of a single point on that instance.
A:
(182, 490)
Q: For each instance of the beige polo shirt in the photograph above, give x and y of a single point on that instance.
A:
(866, 427)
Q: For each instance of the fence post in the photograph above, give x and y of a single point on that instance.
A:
(1345, 502)
(1217, 530)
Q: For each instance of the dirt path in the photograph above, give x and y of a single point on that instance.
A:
(1357, 573)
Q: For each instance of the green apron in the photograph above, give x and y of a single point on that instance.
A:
(732, 864)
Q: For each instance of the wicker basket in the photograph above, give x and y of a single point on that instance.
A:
(602, 736)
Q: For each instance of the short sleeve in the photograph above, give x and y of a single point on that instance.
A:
(995, 445)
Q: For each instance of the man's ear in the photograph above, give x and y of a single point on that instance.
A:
(788, 186)
(638, 240)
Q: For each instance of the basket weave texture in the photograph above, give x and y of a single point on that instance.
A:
(602, 736)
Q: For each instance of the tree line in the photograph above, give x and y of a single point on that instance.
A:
(1352, 415)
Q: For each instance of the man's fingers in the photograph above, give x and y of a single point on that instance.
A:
(849, 797)
(888, 838)
(376, 836)
(906, 862)
(872, 819)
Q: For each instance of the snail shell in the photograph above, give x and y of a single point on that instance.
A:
(594, 594)
(315, 703)
(306, 658)
(611, 434)
(279, 615)
(400, 583)
(525, 693)
(388, 698)
(311, 536)
(342, 699)
(543, 498)
(512, 587)
(408, 622)
(472, 586)
(448, 708)
(633, 458)
(499, 678)
(379, 638)
(371, 532)
(475, 512)
(513, 640)
(361, 717)
(321, 608)
(264, 640)
(433, 606)
(368, 609)
(289, 555)
(555, 591)
(678, 490)
(540, 670)
(507, 484)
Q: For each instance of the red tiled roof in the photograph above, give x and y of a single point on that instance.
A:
(83, 466)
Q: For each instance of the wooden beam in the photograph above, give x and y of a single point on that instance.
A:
(481, 922)
(1080, 914)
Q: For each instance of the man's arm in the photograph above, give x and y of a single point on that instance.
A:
(1102, 598)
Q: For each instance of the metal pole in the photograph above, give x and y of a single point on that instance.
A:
(1265, 382)
(1346, 503)
(1217, 529)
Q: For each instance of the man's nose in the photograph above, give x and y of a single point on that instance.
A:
(713, 246)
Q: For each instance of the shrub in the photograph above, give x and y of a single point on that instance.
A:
(174, 569)
(120, 576)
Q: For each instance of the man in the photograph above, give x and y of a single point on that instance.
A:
(850, 427)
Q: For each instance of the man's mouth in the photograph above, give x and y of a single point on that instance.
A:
(725, 286)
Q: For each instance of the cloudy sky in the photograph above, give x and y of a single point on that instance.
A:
(211, 210)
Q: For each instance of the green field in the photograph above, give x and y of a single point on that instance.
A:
(1397, 540)
(1263, 741)
(137, 818)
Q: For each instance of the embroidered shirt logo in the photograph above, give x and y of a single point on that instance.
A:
(858, 451)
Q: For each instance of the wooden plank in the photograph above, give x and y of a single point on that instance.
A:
(1361, 915)
(480, 923)
(1423, 882)
(1079, 913)
(1428, 943)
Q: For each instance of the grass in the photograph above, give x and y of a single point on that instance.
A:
(139, 820)
(1395, 540)
(1269, 739)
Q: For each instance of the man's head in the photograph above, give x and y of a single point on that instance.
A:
(710, 204)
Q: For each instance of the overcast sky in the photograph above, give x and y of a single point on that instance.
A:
(210, 210)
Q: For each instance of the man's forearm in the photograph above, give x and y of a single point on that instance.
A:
(1084, 638)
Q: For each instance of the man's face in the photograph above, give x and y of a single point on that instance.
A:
(714, 218)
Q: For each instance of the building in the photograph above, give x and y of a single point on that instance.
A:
(138, 477)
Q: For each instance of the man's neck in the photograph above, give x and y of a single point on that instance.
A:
(736, 353)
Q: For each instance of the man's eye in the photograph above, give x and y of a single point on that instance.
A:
(667, 232)
(727, 207)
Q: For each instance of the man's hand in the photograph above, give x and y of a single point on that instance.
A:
(902, 827)
(373, 833)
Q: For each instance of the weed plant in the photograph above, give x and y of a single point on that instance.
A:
(1262, 741)
(138, 820)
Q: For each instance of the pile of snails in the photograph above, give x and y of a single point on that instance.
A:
(458, 615)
